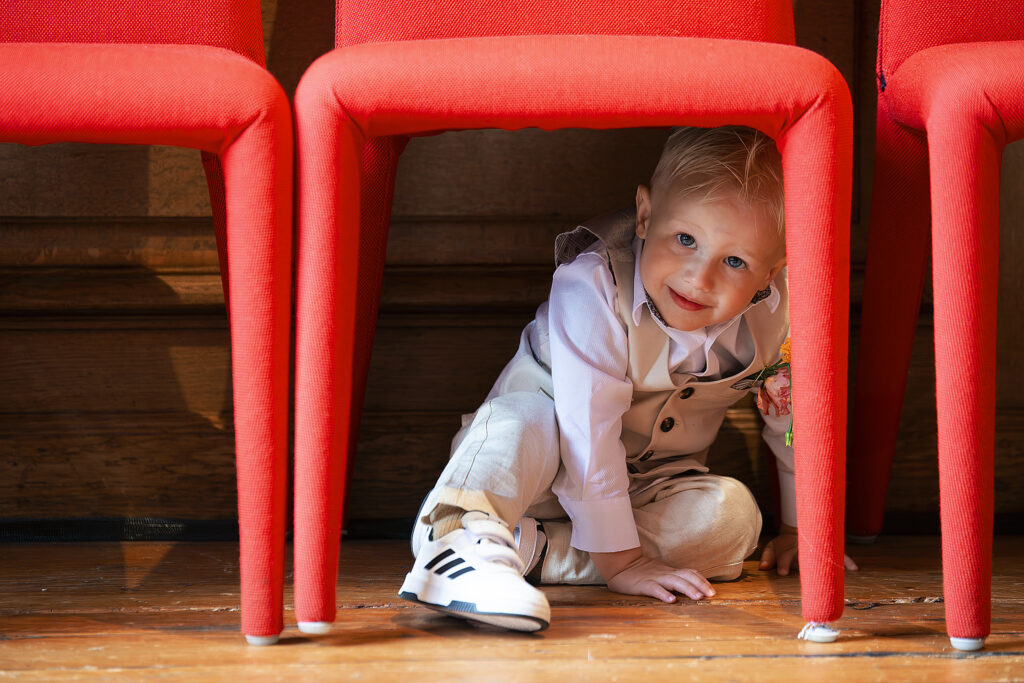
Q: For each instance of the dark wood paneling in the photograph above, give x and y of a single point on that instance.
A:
(172, 464)
(169, 244)
(444, 333)
(74, 180)
(120, 241)
(118, 291)
(569, 174)
(144, 364)
(132, 415)
(114, 350)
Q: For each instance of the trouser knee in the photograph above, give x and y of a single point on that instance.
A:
(710, 525)
(504, 459)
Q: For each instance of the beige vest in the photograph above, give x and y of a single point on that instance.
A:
(674, 418)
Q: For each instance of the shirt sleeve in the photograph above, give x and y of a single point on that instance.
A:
(589, 360)
(774, 434)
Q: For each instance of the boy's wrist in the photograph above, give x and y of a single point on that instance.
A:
(787, 529)
(610, 564)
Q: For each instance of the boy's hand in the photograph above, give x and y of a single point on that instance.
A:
(630, 572)
(782, 552)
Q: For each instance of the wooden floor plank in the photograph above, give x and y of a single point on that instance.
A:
(170, 611)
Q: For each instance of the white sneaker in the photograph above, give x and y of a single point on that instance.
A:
(476, 573)
(529, 537)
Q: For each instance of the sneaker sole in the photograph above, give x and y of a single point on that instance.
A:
(469, 611)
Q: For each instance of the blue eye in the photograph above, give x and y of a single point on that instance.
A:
(685, 239)
(734, 262)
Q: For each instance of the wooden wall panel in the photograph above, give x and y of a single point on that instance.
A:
(162, 464)
(113, 343)
(118, 402)
(567, 174)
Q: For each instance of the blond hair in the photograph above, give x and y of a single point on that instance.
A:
(713, 162)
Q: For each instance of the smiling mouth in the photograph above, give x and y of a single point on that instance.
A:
(684, 303)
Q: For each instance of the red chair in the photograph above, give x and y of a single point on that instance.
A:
(406, 68)
(170, 72)
(947, 105)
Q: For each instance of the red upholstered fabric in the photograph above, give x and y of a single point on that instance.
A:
(908, 26)
(231, 24)
(217, 101)
(945, 113)
(377, 21)
(353, 99)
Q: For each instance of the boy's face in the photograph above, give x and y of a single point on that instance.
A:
(703, 261)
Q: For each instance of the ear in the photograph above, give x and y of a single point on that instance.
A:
(779, 265)
(643, 210)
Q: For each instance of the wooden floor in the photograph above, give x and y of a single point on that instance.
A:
(170, 611)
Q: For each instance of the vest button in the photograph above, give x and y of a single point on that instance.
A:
(647, 455)
(667, 424)
(686, 393)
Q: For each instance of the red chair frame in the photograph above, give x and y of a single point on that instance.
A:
(947, 105)
(556, 65)
(161, 72)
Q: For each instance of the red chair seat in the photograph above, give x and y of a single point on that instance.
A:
(965, 85)
(184, 95)
(557, 81)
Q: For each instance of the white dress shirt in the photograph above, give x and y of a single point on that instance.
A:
(589, 358)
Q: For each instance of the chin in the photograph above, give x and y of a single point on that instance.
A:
(687, 326)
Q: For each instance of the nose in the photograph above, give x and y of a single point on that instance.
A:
(699, 273)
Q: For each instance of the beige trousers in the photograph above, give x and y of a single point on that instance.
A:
(505, 459)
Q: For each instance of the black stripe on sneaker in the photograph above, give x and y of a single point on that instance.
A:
(445, 567)
(459, 573)
(446, 553)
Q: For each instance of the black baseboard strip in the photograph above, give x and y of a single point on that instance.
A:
(116, 529)
(157, 529)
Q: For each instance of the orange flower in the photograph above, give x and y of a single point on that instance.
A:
(787, 355)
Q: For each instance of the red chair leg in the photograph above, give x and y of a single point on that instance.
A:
(819, 266)
(258, 197)
(971, 106)
(965, 168)
(327, 301)
(896, 266)
(357, 286)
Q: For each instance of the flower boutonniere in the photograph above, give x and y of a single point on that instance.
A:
(774, 393)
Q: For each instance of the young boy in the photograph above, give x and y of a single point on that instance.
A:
(586, 463)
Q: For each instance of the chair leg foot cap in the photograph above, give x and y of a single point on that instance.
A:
(261, 640)
(967, 644)
(861, 540)
(315, 628)
(818, 633)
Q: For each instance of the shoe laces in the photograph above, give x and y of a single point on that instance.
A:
(493, 542)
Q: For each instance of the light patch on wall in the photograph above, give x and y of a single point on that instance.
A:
(140, 559)
(204, 376)
(176, 182)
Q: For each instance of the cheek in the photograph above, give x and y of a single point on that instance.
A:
(740, 292)
(653, 271)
